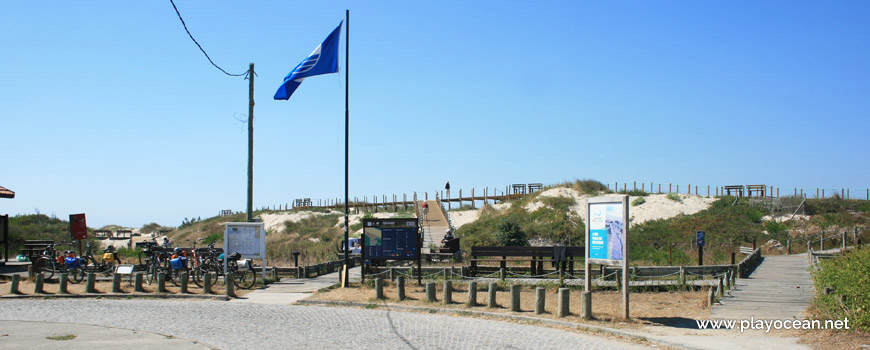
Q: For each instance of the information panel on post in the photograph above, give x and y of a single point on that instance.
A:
(247, 239)
(391, 239)
(606, 234)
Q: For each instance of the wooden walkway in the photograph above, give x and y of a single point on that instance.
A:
(779, 289)
(434, 227)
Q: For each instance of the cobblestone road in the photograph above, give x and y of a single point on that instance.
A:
(257, 326)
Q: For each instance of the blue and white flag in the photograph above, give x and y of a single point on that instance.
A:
(323, 60)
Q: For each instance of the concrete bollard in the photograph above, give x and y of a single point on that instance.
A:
(564, 302)
(430, 292)
(206, 283)
(472, 294)
(137, 284)
(493, 289)
(231, 287)
(379, 288)
(37, 288)
(710, 298)
(400, 284)
(183, 283)
(448, 292)
(586, 305)
(63, 287)
(540, 300)
(90, 286)
(31, 272)
(161, 282)
(13, 288)
(515, 297)
(502, 274)
(116, 283)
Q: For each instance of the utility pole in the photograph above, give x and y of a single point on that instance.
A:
(250, 143)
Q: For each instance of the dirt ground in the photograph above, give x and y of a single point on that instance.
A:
(606, 305)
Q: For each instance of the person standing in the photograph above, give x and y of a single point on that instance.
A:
(426, 210)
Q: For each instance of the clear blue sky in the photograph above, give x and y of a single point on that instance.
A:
(109, 109)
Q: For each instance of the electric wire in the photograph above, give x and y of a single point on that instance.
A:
(200, 46)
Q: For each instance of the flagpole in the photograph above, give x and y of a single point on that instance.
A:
(346, 138)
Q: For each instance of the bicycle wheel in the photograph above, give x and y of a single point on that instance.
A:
(76, 274)
(45, 267)
(176, 275)
(151, 273)
(244, 278)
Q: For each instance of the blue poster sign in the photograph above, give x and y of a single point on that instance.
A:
(700, 238)
(606, 231)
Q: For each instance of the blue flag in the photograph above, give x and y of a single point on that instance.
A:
(323, 60)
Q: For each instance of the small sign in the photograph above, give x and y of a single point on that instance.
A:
(78, 227)
(700, 239)
(124, 269)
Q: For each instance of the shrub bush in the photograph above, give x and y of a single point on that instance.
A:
(850, 276)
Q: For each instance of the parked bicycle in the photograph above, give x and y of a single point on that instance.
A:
(239, 270)
(108, 263)
(51, 263)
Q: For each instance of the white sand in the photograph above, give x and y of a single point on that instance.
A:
(657, 206)
(275, 222)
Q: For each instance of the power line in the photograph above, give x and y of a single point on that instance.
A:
(200, 46)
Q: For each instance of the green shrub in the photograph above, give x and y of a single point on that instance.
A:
(635, 193)
(587, 186)
(638, 201)
(774, 227)
(212, 238)
(675, 197)
(510, 234)
(559, 203)
(848, 275)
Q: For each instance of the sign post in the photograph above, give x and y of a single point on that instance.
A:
(391, 239)
(607, 239)
(246, 238)
(78, 229)
(700, 241)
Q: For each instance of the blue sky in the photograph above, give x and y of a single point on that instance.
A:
(109, 109)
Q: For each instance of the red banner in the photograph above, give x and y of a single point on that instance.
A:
(78, 227)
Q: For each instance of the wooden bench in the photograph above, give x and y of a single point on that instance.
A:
(535, 187)
(535, 256)
(33, 249)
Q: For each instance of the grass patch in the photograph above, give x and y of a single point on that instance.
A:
(62, 337)
(848, 275)
(638, 201)
(675, 197)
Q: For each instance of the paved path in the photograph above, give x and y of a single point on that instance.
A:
(779, 289)
(434, 227)
(258, 326)
(290, 290)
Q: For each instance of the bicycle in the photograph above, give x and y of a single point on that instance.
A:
(50, 262)
(240, 271)
(107, 266)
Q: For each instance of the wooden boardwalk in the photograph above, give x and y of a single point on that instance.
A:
(779, 289)
(434, 227)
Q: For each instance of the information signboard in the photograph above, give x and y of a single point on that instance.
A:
(606, 232)
(607, 240)
(391, 239)
(247, 239)
(78, 228)
(700, 237)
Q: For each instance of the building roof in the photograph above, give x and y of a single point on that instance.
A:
(6, 193)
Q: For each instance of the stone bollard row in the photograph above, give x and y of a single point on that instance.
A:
(492, 302)
(515, 298)
(64, 284)
(472, 294)
(13, 288)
